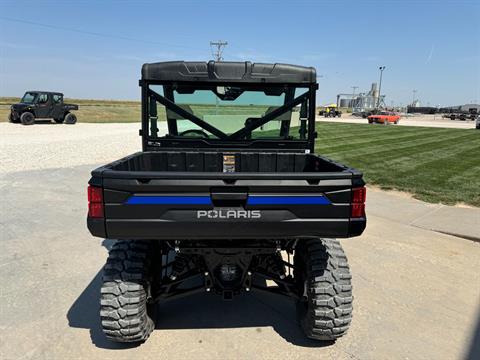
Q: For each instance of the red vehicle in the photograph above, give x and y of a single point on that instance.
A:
(384, 117)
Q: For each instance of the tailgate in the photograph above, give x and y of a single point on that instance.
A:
(221, 206)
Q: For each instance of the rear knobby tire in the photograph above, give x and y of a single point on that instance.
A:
(126, 314)
(70, 119)
(325, 307)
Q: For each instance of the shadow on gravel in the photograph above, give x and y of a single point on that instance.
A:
(45, 122)
(199, 311)
(255, 310)
(84, 314)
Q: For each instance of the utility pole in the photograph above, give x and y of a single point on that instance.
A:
(413, 100)
(353, 96)
(218, 52)
(381, 68)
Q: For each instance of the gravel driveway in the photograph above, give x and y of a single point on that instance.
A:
(43, 146)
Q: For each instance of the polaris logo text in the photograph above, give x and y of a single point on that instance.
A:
(229, 214)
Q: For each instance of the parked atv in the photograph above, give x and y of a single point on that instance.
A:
(42, 105)
(332, 112)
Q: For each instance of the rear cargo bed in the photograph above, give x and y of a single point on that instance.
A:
(213, 161)
(187, 195)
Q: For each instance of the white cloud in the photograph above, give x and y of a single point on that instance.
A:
(430, 54)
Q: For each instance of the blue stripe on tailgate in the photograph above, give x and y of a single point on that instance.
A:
(169, 200)
(287, 200)
(206, 200)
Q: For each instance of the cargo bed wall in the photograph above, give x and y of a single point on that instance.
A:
(185, 195)
(214, 162)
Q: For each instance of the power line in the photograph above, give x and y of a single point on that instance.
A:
(98, 34)
(220, 46)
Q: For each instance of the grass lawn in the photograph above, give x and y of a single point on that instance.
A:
(435, 165)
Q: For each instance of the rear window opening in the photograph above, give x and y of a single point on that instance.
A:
(209, 114)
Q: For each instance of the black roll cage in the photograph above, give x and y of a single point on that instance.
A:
(236, 140)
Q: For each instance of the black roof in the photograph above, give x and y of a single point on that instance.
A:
(242, 72)
(44, 92)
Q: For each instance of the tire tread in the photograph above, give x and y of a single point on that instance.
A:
(123, 301)
(329, 289)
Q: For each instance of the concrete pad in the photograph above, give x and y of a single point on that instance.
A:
(396, 206)
(402, 208)
(463, 222)
(417, 292)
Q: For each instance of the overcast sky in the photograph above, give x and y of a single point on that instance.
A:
(95, 49)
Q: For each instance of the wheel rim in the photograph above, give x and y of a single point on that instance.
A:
(28, 119)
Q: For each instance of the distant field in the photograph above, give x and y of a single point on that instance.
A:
(434, 164)
(104, 111)
(92, 111)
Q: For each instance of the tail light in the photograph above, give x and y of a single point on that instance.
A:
(95, 202)
(359, 196)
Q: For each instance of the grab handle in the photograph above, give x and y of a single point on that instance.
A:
(229, 199)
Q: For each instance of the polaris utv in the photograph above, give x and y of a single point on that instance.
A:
(42, 105)
(226, 197)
